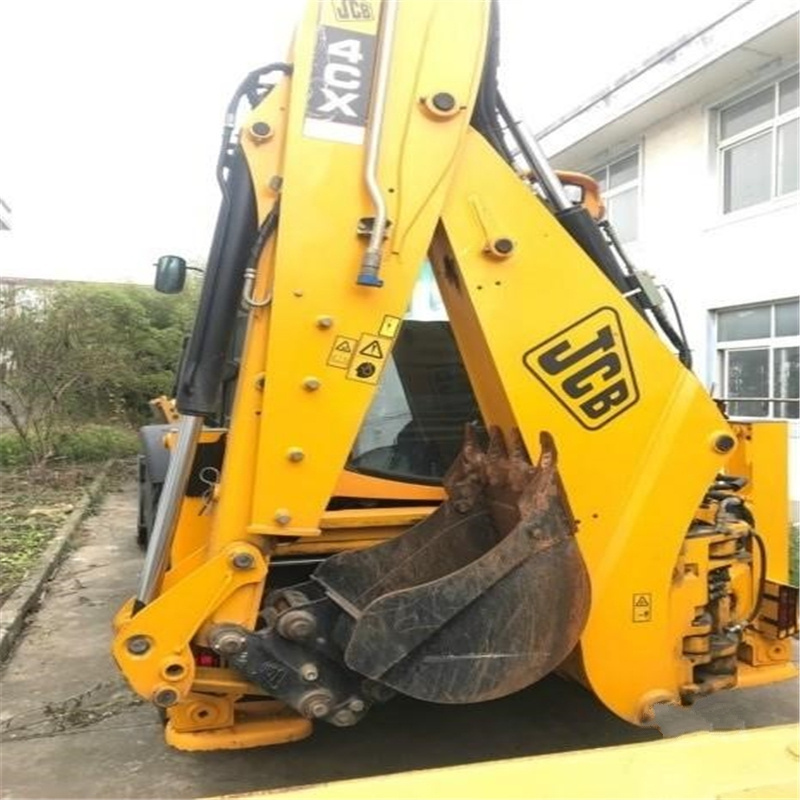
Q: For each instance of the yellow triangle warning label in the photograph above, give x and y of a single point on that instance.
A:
(373, 349)
(344, 347)
(642, 601)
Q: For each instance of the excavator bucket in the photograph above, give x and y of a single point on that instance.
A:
(484, 597)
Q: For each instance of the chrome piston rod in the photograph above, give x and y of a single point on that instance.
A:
(169, 506)
(534, 155)
(371, 261)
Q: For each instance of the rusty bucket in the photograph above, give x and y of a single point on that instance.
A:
(484, 597)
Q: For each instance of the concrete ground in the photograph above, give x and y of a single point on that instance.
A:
(72, 729)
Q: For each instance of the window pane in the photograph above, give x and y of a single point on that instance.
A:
(786, 381)
(600, 177)
(625, 170)
(787, 318)
(748, 173)
(789, 94)
(748, 376)
(788, 171)
(746, 113)
(748, 408)
(623, 211)
(743, 323)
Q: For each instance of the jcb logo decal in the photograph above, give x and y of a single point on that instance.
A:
(586, 367)
(352, 10)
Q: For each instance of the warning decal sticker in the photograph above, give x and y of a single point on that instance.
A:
(342, 352)
(372, 349)
(371, 353)
(642, 607)
(390, 326)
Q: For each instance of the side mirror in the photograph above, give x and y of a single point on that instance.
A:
(170, 274)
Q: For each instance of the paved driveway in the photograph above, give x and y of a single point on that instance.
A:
(72, 729)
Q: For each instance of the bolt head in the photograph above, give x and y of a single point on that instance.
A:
(324, 322)
(316, 704)
(724, 443)
(344, 717)
(356, 705)
(243, 561)
(165, 697)
(282, 516)
(137, 645)
(296, 624)
(308, 672)
(295, 454)
(228, 642)
(503, 246)
(443, 101)
(260, 131)
(311, 384)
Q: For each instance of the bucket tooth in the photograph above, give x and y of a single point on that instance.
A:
(545, 485)
(465, 479)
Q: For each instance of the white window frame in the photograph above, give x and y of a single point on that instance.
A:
(770, 343)
(771, 125)
(635, 183)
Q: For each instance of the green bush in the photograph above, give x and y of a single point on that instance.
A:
(12, 450)
(78, 355)
(96, 443)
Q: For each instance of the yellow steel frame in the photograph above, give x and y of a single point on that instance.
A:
(635, 481)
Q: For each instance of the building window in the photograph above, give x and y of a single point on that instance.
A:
(758, 146)
(619, 185)
(758, 350)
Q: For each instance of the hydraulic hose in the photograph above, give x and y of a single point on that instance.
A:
(678, 340)
(247, 88)
(761, 580)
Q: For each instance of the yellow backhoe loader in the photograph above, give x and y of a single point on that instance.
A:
(437, 437)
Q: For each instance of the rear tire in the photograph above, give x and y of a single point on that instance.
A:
(149, 494)
(142, 531)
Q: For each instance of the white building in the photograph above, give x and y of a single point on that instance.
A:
(5, 216)
(697, 153)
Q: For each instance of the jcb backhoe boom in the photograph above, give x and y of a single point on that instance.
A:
(592, 521)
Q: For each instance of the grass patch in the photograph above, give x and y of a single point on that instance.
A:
(96, 443)
(34, 504)
(84, 444)
(794, 554)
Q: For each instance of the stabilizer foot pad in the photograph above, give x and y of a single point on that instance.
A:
(257, 725)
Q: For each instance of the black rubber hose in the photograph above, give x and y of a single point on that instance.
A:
(485, 114)
(265, 232)
(677, 339)
(248, 87)
(762, 579)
